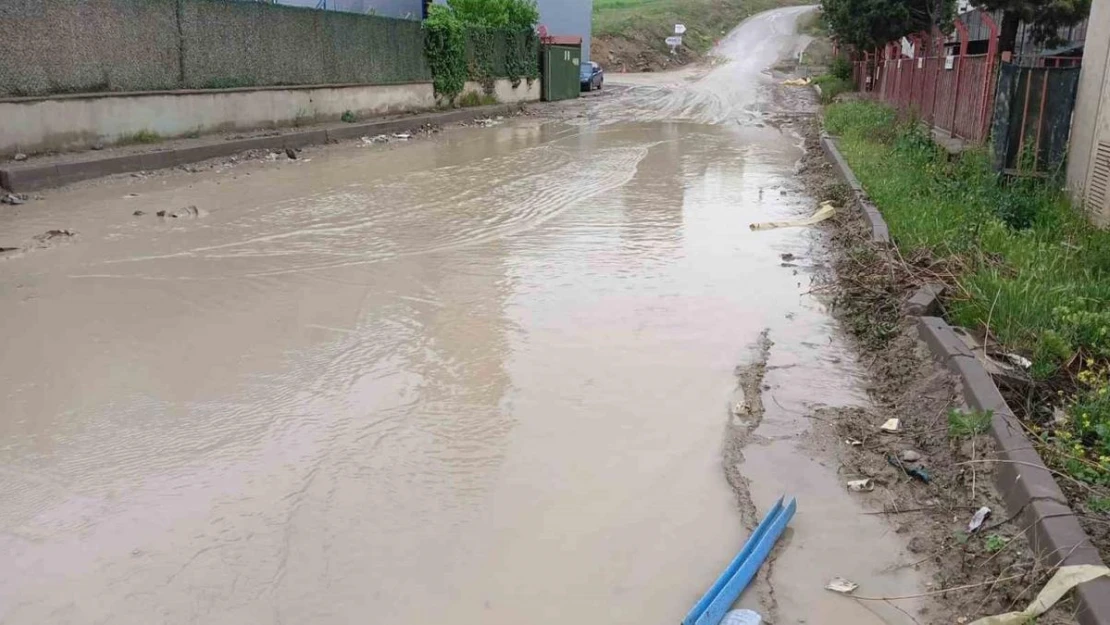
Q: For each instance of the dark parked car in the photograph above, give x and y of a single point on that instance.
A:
(591, 76)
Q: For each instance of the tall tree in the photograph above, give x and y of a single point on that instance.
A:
(1045, 17)
(867, 24)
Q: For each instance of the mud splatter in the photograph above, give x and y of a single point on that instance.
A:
(745, 415)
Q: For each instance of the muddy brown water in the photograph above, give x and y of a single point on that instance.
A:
(480, 378)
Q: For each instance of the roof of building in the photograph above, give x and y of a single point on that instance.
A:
(563, 40)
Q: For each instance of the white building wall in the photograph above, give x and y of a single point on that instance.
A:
(1091, 119)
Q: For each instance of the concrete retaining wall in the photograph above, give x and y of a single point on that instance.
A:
(506, 93)
(44, 173)
(75, 122)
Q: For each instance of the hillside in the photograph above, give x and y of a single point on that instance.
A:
(628, 35)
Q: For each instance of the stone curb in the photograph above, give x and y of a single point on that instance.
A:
(1022, 478)
(925, 301)
(1025, 483)
(880, 233)
(32, 177)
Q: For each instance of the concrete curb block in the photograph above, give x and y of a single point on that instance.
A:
(32, 177)
(925, 301)
(1021, 476)
(880, 233)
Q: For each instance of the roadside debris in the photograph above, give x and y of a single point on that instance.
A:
(19, 157)
(1065, 579)
(188, 212)
(861, 486)
(853, 442)
(909, 455)
(918, 473)
(891, 425)
(787, 257)
(375, 139)
(403, 136)
(742, 617)
(824, 211)
(14, 199)
(841, 585)
(51, 238)
(711, 608)
(797, 82)
(1019, 360)
(977, 519)
(290, 153)
(139, 213)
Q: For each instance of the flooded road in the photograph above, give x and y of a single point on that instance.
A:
(479, 378)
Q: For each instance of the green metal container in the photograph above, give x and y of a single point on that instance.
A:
(560, 72)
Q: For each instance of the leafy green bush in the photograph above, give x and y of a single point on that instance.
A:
(445, 45)
(501, 14)
(842, 69)
(481, 40)
(831, 86)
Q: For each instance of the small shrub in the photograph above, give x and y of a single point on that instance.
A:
(142, 136)
(1100, 505)
(831, 86)
(964, 424)
(842, 69)
(348, 117)
(473, 98)
(994, 543)
(445, 46)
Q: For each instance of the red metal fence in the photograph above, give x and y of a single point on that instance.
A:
(953, 92)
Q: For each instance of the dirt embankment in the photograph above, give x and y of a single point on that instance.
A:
(631, 36)
(928, 478)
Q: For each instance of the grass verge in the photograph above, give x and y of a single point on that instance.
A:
(1025, 270)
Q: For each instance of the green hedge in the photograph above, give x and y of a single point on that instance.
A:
(457, 52)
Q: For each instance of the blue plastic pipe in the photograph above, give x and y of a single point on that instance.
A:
(740, 572)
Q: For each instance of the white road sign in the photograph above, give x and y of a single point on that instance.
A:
(674, 42)
(679, 29)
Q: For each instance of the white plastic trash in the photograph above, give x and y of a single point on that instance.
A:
(742, 617)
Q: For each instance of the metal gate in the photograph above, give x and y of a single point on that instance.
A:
(1032, 117)
(560, 72)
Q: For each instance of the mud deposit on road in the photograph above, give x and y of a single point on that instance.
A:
(488, 376)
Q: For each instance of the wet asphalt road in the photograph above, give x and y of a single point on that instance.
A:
(476, 378)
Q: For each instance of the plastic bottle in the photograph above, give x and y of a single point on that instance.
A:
(742, 617)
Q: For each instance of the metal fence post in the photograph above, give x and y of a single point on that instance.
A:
(938, 47)
(988, 79)
(962, 29)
